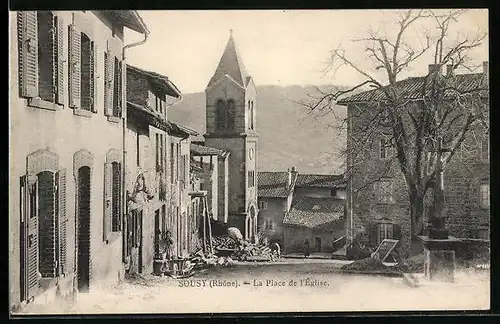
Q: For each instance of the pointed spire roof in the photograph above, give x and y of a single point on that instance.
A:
(231, 64)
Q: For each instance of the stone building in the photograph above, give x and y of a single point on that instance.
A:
(231, 104)
(275, 194)
(66, 108)
(184, 208)
(381, 208)
(320, 185)
(149, 184)
(317, 220)
(294, 206)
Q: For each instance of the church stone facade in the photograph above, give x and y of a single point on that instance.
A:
(231, 102)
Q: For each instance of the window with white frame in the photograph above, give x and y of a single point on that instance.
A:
(484, 193)
(385, 191)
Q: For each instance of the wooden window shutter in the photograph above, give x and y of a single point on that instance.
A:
(29, 190)
(109, 69)
(59, 87)
(108, 198)
(63, 220)
(75, 45)
(94, 77)
(27, 28)
(119, 88)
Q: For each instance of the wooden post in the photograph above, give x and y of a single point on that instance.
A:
(204, 232)
(209, 224)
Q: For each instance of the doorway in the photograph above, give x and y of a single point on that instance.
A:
(157, 234)
(318, 244)
(83, 230)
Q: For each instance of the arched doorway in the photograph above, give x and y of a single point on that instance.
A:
(247, 228)
(252, 228)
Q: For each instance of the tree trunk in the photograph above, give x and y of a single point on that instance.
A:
(416, 224)
(416, 213)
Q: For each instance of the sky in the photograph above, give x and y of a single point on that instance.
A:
(279, 47)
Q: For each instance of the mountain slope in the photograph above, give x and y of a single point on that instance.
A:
(289, 135)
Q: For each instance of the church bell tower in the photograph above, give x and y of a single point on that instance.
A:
(231, 104)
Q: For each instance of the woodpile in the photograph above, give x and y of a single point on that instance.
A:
(241, 250)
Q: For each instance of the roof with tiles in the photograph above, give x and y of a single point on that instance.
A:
(413, 88)
(320, 181)
(205, 150)
(275, 184)
(183, 129)
(199, 139)
(161, 80)
(130, 19)
(138, 112)
(312, 212)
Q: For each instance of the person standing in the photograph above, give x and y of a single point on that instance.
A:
(168, 245)
(307, 248)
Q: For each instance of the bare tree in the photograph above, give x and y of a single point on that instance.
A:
(439, 111)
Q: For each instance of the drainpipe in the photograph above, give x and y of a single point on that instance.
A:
(124, 132)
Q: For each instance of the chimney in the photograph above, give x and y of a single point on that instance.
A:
(486, 72)
(289, 179)
(449, 70)
(294, 170)
(433, 68)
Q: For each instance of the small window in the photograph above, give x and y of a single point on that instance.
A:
(485, 149)
(162, 151)
(485, 195)
(385, 191)
(385, 147)
(172, 161)
(157, 152)
(268, 224)
(384, 231)
(263, 205)
(177, 159)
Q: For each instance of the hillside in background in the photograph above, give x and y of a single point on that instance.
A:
(289, 135)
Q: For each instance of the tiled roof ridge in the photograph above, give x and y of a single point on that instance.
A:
(374, 93)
